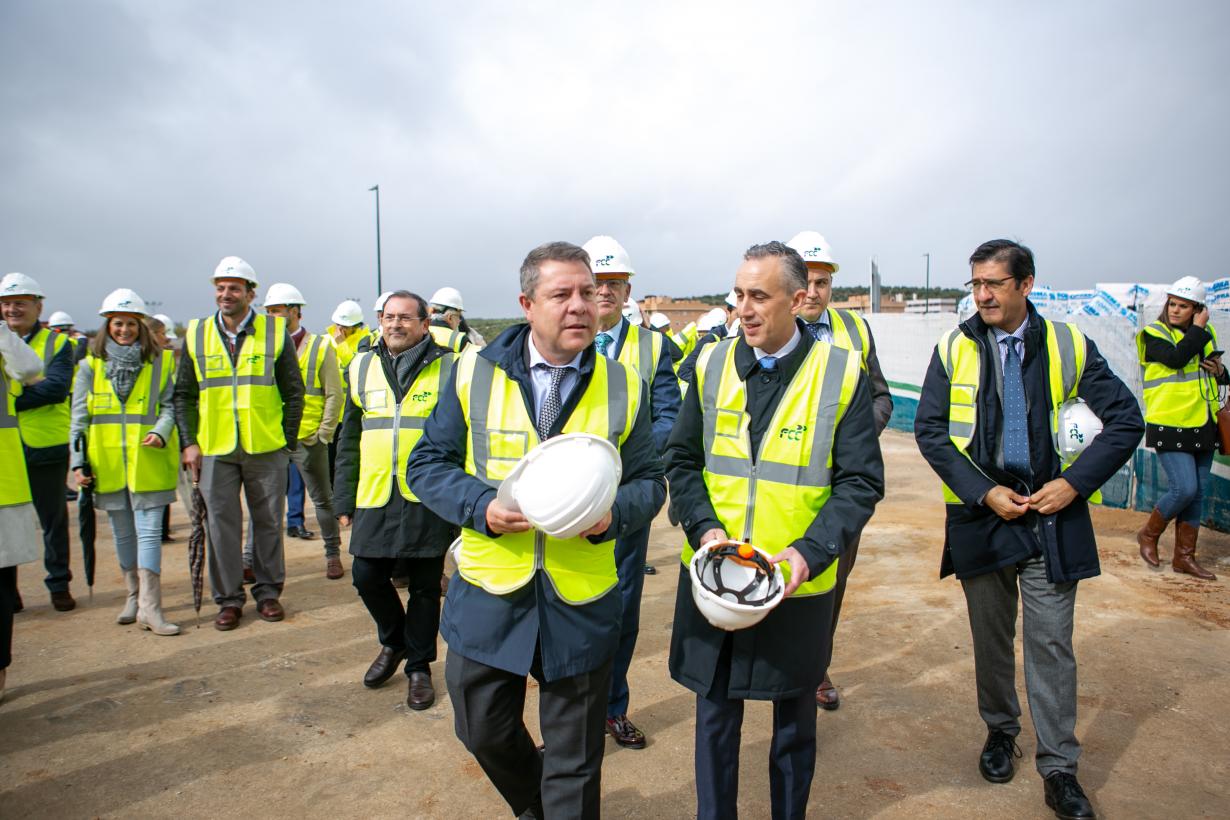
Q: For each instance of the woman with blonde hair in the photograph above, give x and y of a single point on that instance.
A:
(122, 404)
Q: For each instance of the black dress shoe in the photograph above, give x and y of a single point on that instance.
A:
(384, 667)
(996, 763)
(1066, 798)
(421, 694)
(300, 532)
(650, 569)
(625, 732)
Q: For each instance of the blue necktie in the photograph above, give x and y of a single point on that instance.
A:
(1016, 415)
(602, 342)
(768, 363)
(814, 329)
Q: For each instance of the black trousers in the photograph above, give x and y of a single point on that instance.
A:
(719, 728)
(8, 600)
(412, 628)
(48, 488)
(844, 566)
(489, 705)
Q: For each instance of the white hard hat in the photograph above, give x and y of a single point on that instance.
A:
(447, 297)
(732, 299)
(280, 293)
(733, 584)
(632, 312)
(168, 323)
(659, 320)
(813, 248)
(380, 300)
(1078, 427)
(232, 267)
(60, 319)
(710, 320)
(1189, 288)
(123, 300)
(607, 256)
(565, 485)
(348, 314)
(18, 284)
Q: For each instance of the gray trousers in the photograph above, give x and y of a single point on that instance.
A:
(1050, 665)
(263, 479)
(313, 464)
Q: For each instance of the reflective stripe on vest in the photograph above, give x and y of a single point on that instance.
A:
(849, 331)
(640, 351)
(240, 405)
(46, 426)
(501, 431)
(1066, 349)
(771, 501)
(390, 430)
(448, 338)
(311, 361)
(117, 457)
(14, 481)
(1183, 397)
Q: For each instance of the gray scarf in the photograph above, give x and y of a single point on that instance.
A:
(405, 362)
(123, 366)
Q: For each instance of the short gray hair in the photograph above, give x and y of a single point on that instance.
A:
(794, 269)
(550, 252)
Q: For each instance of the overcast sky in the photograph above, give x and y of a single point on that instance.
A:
(142, 141)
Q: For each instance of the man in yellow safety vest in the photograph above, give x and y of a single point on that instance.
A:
(238, 404)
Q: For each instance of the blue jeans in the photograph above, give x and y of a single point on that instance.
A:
(294, 499)
(138, 538)
(1188, 475)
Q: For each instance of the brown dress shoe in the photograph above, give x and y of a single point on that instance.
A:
(63, 601)
(270, 610)
(333, 568)
(1148, 535)
(228, 618)
(826, 695)
(384, 667)
(625, 732)
(422, 694)
(1185, 552)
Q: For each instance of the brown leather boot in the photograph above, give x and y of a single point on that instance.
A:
(1185, 552)
(1148, 535)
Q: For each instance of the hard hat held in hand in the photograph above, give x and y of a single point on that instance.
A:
(281, 293)
(232, 267)
(447, 297)
(1189, 288)
(123, 300)
(18, 284)
(60, 319)
(733, 584)
(607, 256)
(813, 248)
(1078, 427)
(348, 314)
(565, 485)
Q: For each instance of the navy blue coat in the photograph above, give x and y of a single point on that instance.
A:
(978, 541)
(504, 630)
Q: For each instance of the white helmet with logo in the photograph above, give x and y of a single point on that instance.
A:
(733, 584)
(18, 284)
(1078, 427)
(281, 293)
(813, 248)
(232, 267)
(1189, 288)
(60, 319)
(607, 256)
(123, 300)
(565, 485)
(348, 314)
(447, 298)
(659, 321)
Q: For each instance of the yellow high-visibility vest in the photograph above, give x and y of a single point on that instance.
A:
(850, 332)
(640, 351)
(117, 458)
(501, 431)
(349, 346)
(1186, 397)
(1066, 350)
(390, 429)
(446, 337)
(686, 339)
(311, 366)
(46, 426)
(770, 502)
(240, 404)
(14, 481)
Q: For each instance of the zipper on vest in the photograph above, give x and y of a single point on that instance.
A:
(540, 548)
(751, 504)
(396, 446)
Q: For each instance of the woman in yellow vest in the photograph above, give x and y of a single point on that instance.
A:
(122, 404)
(1181, 365)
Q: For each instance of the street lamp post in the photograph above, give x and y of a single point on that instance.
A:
(927, 290)
(379, 278)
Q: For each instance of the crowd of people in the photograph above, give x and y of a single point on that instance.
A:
(762, 418)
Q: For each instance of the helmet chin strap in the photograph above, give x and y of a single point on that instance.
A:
(730, 552)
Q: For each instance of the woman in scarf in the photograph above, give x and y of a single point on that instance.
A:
(122, 403)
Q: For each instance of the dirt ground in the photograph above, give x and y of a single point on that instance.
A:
(271, 720)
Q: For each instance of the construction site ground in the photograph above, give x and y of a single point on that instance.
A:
(271, 720)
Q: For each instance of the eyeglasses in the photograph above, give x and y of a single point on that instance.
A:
(400, 319)
(993, 285)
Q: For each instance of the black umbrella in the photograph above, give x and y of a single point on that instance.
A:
(85, 513)
(196, 549)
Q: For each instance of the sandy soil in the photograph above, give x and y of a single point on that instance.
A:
(271, 720)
